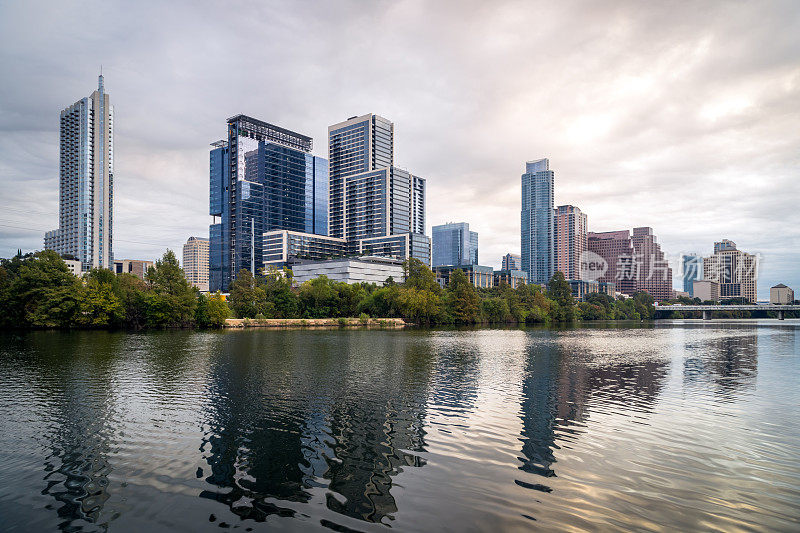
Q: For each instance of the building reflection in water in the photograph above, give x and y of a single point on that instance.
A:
(727, 362)
(558, 388)
(291, 412)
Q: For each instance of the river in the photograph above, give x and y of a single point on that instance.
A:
(673, 425)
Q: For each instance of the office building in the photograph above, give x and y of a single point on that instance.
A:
(454, 244)
(482, 277)
(706, 290)
(581, 288)
(570, 238)
(351, 270)
(195, 262)
(653, 273)
(616, 250)
(538, 252)
(512, 262)
(86, 182)
(692, 266)
(137, 267)
(513, 278)
(262, 178)
(735, 271)
(780, 294)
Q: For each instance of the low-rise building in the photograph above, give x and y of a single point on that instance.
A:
(706, 290)
(136, 267)
(780, 294)
(482, 277)
(367, 269)
(514, 278)
(74, 266)
(580, 288)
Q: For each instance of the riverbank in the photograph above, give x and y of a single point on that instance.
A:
(392, 323)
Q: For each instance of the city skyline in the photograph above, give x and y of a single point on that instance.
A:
(650, 139)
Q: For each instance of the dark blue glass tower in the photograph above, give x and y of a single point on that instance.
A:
(262, 178)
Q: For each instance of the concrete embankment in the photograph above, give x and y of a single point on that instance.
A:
(314, 322)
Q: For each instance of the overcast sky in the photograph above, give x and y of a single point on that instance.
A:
(680, 116)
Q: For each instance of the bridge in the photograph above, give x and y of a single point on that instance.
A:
(708, 309)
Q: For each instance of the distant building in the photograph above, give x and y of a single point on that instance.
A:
(680, 294)
(706, 290)
(616, 249)
(367, 269)
(780, 294)
(512, 262)
(514, 278)
(538, 250)
(733, 269)
(481, 277)
(692, 271)
(262, 178)
(454, 244)
(136, 267)
(195, 262)
(581, 288)
(86, 182)
(570, 238)
(74, 266)
(653, 273)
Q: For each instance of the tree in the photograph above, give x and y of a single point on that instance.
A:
(559, 291)
(100, 306)
(247, 296)
(280, 300)
(211, 310)
(171, 301)
(419, 276)
(462, 299)
(318, 298)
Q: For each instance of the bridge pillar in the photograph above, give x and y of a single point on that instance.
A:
(706, 315)
(780, 314)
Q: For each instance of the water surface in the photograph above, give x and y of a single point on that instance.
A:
(681, 425)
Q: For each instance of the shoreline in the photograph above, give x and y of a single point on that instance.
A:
(242, 323)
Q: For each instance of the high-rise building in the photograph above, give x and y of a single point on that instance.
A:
(86, 182)
(569, 235)
(538, 253)
(692, 266)
(616, 249)
(735, 271)
(635, 263)
(653, 273)
(195, 262)
(454, 244)
(512, 262)
(262, 178)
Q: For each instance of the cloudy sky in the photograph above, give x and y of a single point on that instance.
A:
(680, 116)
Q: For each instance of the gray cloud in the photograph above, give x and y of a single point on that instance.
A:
(680, 116)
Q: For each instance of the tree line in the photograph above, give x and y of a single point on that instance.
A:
(37, 290)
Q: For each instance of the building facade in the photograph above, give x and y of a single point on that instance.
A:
(262, 178)
(454, 244)
(86, 182)
(482, 277)
(137, 267)
(581, 288)
(195, 262)
(692, 266)
(570, 237)
(780, 294)
(512, 262)
(538, 251)
(514, 278)
(652, 271)
(616, 250)
(351, 270)
(735, 271)
(706, 290)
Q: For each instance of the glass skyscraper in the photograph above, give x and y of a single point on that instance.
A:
(86, 182)
(262, 178)
(692, 271)
(538, 250)
(454, 244)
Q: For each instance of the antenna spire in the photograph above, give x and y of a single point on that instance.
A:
(100, 79)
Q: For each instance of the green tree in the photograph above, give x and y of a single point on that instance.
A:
(211, 310)
(100, 306)
(278, 292)
(559, 291)
(170, 301)
(247, 296)
(318, 298)
(463, 301)
(495, 310)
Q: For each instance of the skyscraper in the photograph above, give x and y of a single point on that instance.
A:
(86, 182)
(454, 244)
(616, 249)
(538, 254)
(735, 271)
(653, 273)
(692, 271)
(512, 262)
(262, 178)
(195, 262)
(569, 230)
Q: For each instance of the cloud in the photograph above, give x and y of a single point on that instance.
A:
(679, 116)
